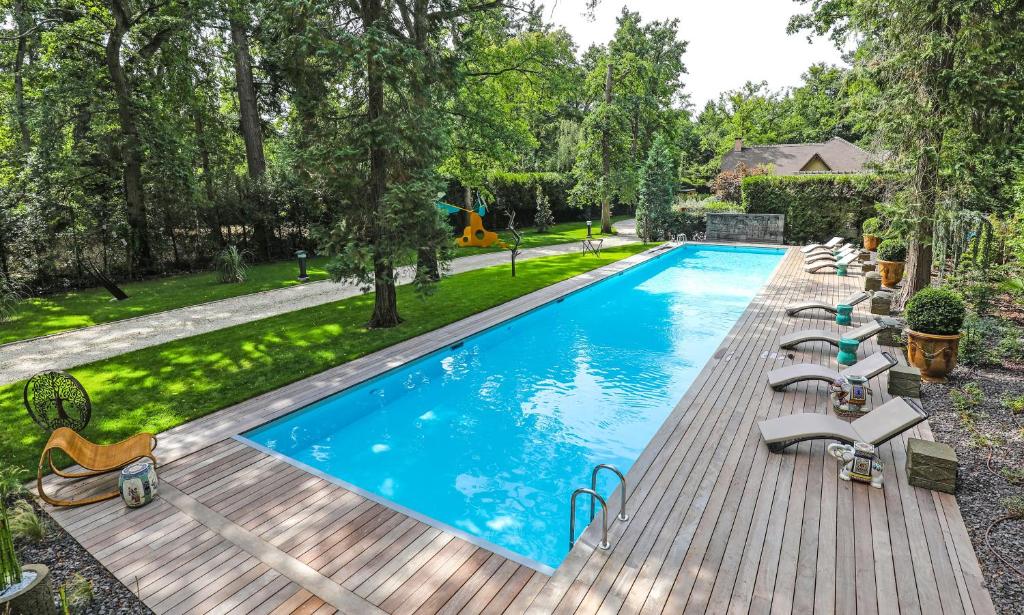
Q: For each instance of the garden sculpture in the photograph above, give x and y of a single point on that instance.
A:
(862, 463)
(475, 234)
(56, 399)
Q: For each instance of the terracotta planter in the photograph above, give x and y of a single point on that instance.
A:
(870, 242)
(891, 272)
(934, 355)
(34, 599)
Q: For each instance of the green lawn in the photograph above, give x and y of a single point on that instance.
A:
(159, 387)
(563, 232)
(73, 310)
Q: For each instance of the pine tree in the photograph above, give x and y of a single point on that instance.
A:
(657, 190)
(543, 219)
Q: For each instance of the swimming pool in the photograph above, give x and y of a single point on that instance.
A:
(491, 436)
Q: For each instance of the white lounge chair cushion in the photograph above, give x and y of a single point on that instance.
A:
(828, 244)
(861, 333)
(855, 298)
(823, 264)
(876, 427)
(868, 367)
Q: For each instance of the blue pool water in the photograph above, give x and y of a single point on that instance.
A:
(492, 437)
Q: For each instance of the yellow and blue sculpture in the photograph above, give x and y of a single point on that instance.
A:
(474, 235)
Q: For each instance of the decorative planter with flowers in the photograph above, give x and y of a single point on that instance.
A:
(871, 228)
(891, 256)
(934, 317)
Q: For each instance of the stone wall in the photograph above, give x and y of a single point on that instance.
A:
(754, 228)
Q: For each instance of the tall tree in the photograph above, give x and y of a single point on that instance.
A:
(949, 77)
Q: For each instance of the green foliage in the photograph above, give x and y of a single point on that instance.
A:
(657, 191)
(966, 399)
(871, 226)
(10, 565)
(1014, 506)
(11, 294)
(976, 340)
(815, 205)
(1014, 404)
(893, 250)
(230, 264)
(25, 523)
(543, 219)
(156, 388)
(76, 594)
(936, 311)
(728, 185)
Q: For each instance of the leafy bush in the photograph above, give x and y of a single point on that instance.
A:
(815, 206)
(976, 334)
(728, 185)
(871, 226)
(25, 523)
(936, 311)
(11, 294)
(543, 218)
(231, 267)
(892, 250)
(657, 191)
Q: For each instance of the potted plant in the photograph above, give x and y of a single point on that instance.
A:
(891, 254)
(934, 317)
(24, 590)
(871, 227)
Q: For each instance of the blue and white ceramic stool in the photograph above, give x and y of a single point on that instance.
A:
(137, 483)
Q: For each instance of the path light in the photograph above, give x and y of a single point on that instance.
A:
(589, 224)
(301, 254)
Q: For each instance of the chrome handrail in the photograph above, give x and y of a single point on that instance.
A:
(622, 516)
(604, 516)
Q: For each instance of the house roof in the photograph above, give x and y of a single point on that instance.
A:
(838, 154)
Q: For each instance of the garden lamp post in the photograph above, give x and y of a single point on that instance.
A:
(301, 254)
(589, 225)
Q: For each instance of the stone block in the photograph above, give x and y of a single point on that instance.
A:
(868, 266)
(931, 465)
(872, 281)
(905, 381)
(881, 302)
(863, 256)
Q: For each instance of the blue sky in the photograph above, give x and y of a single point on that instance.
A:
(731, 41)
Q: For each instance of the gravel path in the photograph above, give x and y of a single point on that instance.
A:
(20, 360)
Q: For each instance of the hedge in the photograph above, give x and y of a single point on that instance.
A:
(816, 206)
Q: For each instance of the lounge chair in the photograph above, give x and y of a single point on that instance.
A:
(95, 458)
(870, 367)
(835, 241)
(828, 256)
(861, 333)
(821, 265)
(876, 427)
(828, 251)
(857, 297)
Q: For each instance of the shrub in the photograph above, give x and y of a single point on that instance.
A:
(657, 191)
(728, 185)
(543, 218)
(936, 311)
(25, 523)
(231, 267)
(975, 347)
(871, 226)
(689, 217)
(815, 206)
(892, 250)
(11, 294)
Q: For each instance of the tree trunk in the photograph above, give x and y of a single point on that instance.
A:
(21, 18)
(140, 254)
(212, 214)
(250, 127)
(606, 162)
(385, 304)
(919, 247)
(427, 264)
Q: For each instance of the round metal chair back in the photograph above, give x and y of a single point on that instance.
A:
(56, 399)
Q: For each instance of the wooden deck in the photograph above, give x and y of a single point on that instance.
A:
(718, 524)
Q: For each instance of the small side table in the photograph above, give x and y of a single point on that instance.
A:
(137, 484)
(844, 314)
(847, 351)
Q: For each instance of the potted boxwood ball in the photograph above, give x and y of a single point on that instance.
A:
(934, 317)
(891, 254)
(871, 227)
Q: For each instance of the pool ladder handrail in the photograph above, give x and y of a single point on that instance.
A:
(595, 496)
